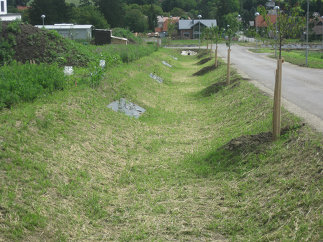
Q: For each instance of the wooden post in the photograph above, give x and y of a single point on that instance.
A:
(228, 67)
(277, 100)
(216, 56)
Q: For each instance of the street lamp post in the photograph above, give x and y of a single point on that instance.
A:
(307, 20)
(277, 9)
(43, 17)
(239, 20)
(199, 17)
(256, 15)
(322, 30)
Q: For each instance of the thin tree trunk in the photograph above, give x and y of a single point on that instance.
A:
(228, 67)
(211, 49)
(216, 56)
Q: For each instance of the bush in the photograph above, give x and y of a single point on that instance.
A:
(24, 83)
(125, 33)
(130, 53)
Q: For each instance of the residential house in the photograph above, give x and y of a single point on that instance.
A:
(4, 15)
(162, 24)
(318, 26)
(260, 22)
(71, 31)
(192, 28)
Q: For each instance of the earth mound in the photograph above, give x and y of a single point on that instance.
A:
(247, 143)
(203, 61)
(205, 70)
(25, 43)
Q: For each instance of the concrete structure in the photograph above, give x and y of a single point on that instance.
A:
(189, 29)
(118, 40)
(71, 31)
(4, 15)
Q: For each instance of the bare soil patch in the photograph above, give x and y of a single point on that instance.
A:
(203, 61)
(205, 70)
(202, 53)
(247, 143)
(216, 87)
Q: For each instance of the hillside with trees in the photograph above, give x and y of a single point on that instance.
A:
(141, 15)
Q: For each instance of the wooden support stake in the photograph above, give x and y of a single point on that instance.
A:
(277, 100)
(228, 67)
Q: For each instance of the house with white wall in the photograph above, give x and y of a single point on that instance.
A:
(71, 31)
(4, 15)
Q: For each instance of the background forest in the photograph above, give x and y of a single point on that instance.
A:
(140, 15)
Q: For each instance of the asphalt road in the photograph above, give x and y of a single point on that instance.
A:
(302, 88)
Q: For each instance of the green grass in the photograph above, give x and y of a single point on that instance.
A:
(297, 57)
(187, 42)
(72, 169)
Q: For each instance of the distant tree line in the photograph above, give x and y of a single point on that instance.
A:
(141, 15)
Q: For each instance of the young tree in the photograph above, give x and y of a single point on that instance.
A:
(206, 35)
(228, 43)
(216, 34)
(289, 26)
(171, 28)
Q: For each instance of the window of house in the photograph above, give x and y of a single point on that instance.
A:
(2, 6)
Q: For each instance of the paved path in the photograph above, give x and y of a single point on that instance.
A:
(302, 88)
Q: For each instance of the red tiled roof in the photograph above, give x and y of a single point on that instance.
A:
(260, 22)
(22, 8)
(165, 24)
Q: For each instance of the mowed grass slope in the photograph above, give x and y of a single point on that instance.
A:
(72, 169)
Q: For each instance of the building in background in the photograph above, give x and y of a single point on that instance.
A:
(71, 31)
(162, 25)
(4, 15)
(191, 29)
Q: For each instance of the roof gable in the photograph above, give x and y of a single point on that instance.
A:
(188, 24)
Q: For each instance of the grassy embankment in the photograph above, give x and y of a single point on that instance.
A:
(21, 81)
(71, 169)
(297, 57)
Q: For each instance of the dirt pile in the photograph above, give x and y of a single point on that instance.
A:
(205, 70)
(33, 44)
(203, 61)
(248, 143)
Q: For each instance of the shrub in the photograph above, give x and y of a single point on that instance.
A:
(125, 33)
(24, 83)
